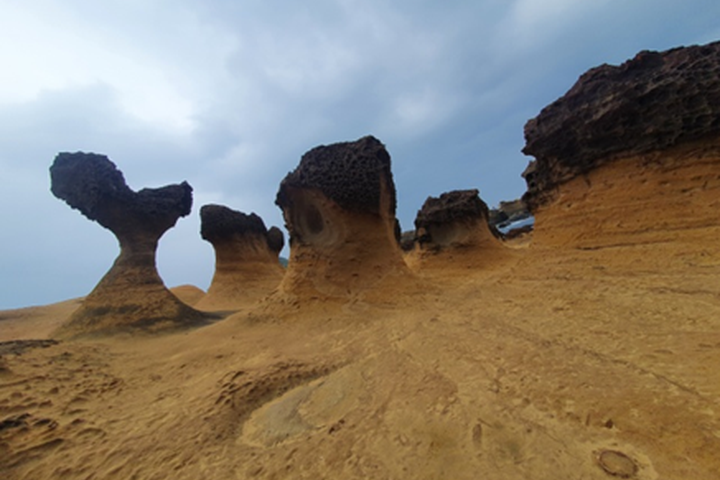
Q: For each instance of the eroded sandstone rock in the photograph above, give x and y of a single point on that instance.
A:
(247, 266)
(454, 218)
(630, 157)
(454, 226)
(339, 208)
(650, 103)
(132, 294)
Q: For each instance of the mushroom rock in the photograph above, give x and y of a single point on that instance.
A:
(630, 154)
(247, 266)
(131, 295)
(339, 208)
(454, 226)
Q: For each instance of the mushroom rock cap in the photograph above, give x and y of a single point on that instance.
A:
(247, 266)
(131, 296)
(649, 103)
(339, 208)
(220, 223)
(92, 184)
(355, 175)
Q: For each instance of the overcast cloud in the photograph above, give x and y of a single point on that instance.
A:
(228, 94)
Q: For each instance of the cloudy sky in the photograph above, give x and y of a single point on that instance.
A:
(228, 94)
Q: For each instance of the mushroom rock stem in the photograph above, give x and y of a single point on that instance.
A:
(132, 294)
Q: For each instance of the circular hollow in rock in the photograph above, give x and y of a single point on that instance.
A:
(313, 219)
(617, 464)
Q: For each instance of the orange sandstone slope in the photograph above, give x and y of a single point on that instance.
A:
(247, 267)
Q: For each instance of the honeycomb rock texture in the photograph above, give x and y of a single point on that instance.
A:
(92, 184)
(651, 102)
(131, 295)
(339, 209)
(220, 223)
(352, 174)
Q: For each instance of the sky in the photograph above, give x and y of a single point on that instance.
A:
(228, 95)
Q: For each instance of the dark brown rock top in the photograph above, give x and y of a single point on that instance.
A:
(349, 173)
(220, 223)
(92, 184)
(450, 207)
(651, 102)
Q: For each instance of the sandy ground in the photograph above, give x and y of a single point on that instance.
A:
(561, 359)
(557, 364)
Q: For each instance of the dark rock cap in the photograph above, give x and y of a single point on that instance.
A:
(349, 173)
(218, 223)
(92, 184)
(652, 102)
(450, 207)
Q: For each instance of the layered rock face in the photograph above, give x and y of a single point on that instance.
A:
(455, 226)
(247, 266)
(131, 295)
(631, 154)
(339, 208)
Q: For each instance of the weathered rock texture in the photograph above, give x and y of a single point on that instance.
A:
(653, 102)
(131, 295)
(339, 208)
(631, 155)
(455, 226)
(247, 266)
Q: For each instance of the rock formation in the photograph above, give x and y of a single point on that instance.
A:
(246, 257)
(339, 208)
(628, 152)
(131, 295)
(455, 226)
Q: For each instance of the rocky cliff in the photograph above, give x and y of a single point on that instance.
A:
(631, 154)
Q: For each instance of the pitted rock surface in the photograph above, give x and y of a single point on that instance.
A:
(651, 102)
(92, 184)
(219, 223)
(349, 173)
(451, 207)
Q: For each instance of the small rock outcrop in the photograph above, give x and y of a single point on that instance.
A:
(450, 219)
(247, 266)
(628, 152)
(455, 225)
(650, 103)
(132, 294)
(339, 208)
